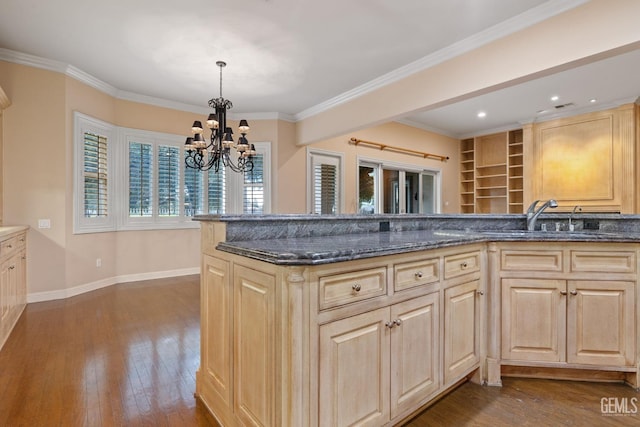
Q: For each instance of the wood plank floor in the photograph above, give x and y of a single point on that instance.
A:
(126, 355)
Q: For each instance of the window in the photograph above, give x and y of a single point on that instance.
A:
(169, 163)
(324, 182)
(193, 190)
(154, 189)
(95, 175)
(367, 188)
(217, 191)
(94, 184)
(140, 179)
(253, 188)
(396, 188)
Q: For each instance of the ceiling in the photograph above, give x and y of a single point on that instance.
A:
(291, 57)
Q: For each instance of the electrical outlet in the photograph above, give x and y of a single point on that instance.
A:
(591, 224)
(44, 223)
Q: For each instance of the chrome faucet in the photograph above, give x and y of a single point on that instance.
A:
(573, 212)
(533, 214)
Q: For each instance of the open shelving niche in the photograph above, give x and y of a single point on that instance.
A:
(491, 177)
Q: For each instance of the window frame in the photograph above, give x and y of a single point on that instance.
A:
(118, 217)
(331, 158)
(155, 221)
(235, 184)
(82, 224)
(379, 165)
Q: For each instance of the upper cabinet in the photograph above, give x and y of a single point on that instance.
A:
(587, 160)
(491, 173)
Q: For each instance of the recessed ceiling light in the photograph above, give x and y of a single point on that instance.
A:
(593, 100)
(482, 115)
(554, 98)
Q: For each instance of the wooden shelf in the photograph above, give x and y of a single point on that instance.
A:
(494, 164)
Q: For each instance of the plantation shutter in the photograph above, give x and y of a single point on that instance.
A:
(253, 187)
(217, 191)
(169, 162)
(95, 175)
(140, 179)
(193, 190)
(325, 196)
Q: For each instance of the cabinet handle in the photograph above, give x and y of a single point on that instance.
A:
(398, 322)
(573, 292)
(418, 275)
(464, 265)
(390, 325)
(563, 292)
(356, 287)
(12, 267)
(480, 293)
(22, 240)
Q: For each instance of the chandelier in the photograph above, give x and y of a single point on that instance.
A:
(216, 153)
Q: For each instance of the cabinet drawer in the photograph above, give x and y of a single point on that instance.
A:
(411, 274)
(12, 245)
(353, 286)
(457, 265)
(603, 261)
(522, 260)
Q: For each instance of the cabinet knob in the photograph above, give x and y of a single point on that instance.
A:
(480, 293)
(574, 292)
(9, 246)
(418, 275)
(464, 265)
(356, 287)
(563, 292)
(390, 325)
(12, 267)
(398, 322)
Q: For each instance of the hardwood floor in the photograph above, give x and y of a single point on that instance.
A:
(126, 355)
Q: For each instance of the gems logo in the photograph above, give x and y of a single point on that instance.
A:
(619, 406)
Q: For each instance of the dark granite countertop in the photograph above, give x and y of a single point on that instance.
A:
(329, 249)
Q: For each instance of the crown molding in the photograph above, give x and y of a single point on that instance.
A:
(510, 26)
(94, 82)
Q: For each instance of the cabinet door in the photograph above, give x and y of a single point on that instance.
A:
(533, 319)
(414, 352)
(22, 279)
(461, 330)
(5, 290)
(354, 370)
(254, 329)
(600, 323)
(216, 324)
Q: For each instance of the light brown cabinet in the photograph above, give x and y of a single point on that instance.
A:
(360, 342)
(461, 329)
(13, 286)
(379, 364)
(491, 173)
(575, 321)
(569, 305)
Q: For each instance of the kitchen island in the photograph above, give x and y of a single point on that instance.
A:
(310, 320)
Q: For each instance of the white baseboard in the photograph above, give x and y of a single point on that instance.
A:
(88, 287)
